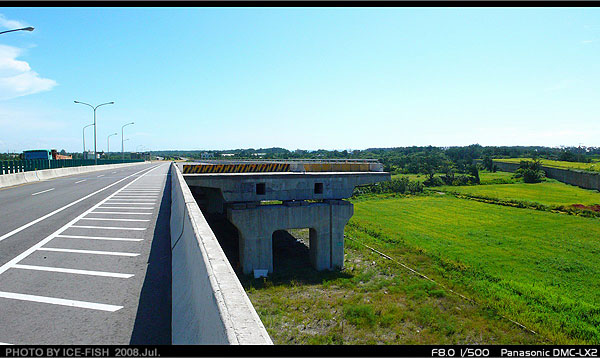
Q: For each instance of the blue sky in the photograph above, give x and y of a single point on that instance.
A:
(309, 78)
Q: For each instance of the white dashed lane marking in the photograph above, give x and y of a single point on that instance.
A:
(43, 191)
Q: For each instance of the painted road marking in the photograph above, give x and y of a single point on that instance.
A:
(93, 252)
(113, 172)
(129, 203)
(9, 234)
(5, 344)
(33, 248)
(143, 201)
(100, 176)
(119, 212)
(97, 238)
(114, 219)
(60, 301)
(109, 227)
(43, 191)
(125, 207)
(79, 272)
(136, 196)
(77, 182)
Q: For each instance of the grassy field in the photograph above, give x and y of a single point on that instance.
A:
(371, 301)
(484, 176)
(594, 166)
(548, 193)
(538, 268)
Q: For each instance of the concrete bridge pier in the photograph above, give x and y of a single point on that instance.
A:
(256, 224)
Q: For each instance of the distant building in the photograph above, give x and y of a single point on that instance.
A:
(206, 155)
(90, 155)
(227, 154)
(259, 154)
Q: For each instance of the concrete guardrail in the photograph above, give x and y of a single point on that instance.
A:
(45, 174)
(210, 305)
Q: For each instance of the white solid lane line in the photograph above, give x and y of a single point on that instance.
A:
(98, 238)
(60, 301)
(109, 227)
(94, 252)
(5, 344)
(111, 219)
(9, 234)
(43, 191)
(77, 182)
(117, 212)
(33, 248)
(100, 176)
(79, 272)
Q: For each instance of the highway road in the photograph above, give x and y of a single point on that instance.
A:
(85, 259)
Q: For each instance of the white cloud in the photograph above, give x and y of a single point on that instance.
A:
(10, 24)
(587, 41)
(17, 78)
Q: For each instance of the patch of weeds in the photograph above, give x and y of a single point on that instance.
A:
(360, 315)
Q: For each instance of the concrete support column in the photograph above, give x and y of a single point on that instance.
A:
(325, 220)
(256, 251)
(341, 212)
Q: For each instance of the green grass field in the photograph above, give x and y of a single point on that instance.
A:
(594, 166)
(538, 268)
(484, 176)
(371, 301)
(551, 192)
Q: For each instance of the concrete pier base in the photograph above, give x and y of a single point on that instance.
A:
(257, 223)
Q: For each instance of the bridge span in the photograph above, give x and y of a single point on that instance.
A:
(124, 255)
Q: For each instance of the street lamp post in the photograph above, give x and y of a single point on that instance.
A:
(94, 108)
(23, 29)
(84, 136)
(108, 144)
(122, 140)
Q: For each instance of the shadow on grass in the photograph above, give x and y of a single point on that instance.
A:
(291, 266)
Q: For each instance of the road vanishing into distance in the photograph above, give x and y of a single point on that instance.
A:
(86, 259)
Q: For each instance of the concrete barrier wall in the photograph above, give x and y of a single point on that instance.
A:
(45, 174)
(210, 305)
(582, 179)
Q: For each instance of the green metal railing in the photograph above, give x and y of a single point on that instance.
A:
(17, 166)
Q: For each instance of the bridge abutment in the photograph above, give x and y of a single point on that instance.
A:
(257, 223)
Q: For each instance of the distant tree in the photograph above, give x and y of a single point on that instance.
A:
(530, 171)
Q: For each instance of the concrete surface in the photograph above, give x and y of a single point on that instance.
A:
(79, 257)
(257, 224)
(580, 178)
(210, 305)
(236, 187)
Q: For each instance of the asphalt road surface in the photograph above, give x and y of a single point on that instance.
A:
(85, 259)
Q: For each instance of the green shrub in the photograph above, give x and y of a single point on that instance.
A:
(396, 185)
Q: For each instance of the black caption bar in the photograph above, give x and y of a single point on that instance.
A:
(35, 351)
